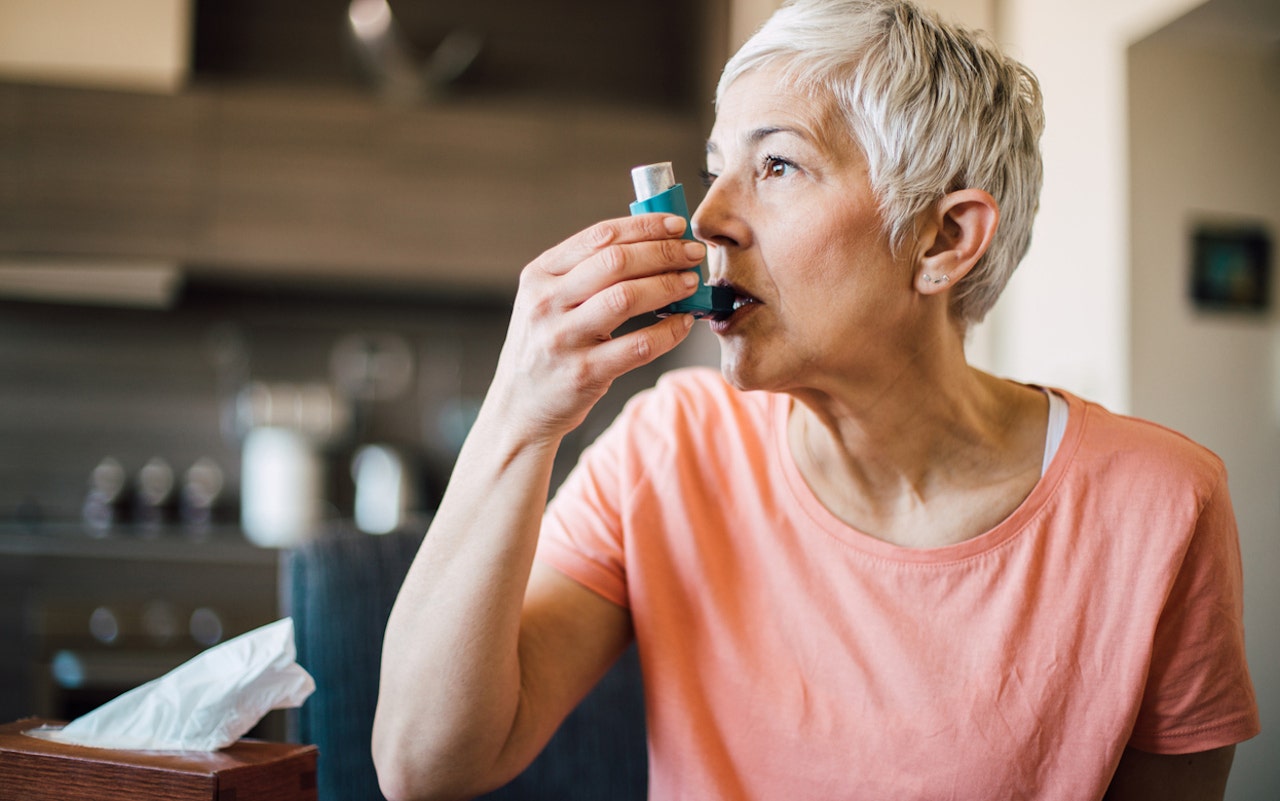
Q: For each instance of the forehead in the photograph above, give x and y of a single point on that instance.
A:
(761, 103)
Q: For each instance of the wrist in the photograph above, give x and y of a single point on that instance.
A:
(504, 432)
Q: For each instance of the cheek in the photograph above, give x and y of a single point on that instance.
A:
(825, 253)
(841, 255)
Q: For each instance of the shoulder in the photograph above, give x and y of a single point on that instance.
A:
(691, 415)
(695, 397)
(1140, 453)
(697, 384)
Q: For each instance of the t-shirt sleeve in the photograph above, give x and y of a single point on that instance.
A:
(582, 530)
(1199, 694)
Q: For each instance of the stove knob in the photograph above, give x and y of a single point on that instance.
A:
(206, 626)
(104, 626)
(160, 622)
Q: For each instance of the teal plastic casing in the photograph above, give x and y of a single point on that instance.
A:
(709, 301)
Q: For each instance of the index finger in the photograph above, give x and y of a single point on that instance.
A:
(619, 231)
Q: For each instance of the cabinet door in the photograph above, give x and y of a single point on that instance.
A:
(95, 173)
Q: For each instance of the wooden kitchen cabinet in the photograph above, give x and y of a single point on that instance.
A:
(89, 173)
(318, 185)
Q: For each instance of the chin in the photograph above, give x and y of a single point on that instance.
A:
(740, 373)
(731, 378)
(780, 369)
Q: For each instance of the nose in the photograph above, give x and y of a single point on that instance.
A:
(718, 220)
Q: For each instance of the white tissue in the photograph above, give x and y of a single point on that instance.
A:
(204, 704)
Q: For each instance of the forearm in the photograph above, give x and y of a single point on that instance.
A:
(475, 676)
(450, 684)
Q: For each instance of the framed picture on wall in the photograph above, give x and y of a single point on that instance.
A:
(1231, 268)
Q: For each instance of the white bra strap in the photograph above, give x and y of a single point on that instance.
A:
(1057, 427)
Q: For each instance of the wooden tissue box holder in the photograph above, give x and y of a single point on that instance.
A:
(34, 769)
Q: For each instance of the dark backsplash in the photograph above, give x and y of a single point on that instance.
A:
(81, 384)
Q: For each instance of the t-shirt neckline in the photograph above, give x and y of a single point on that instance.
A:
(985, 542)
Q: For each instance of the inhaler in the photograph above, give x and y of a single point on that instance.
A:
(657, 190)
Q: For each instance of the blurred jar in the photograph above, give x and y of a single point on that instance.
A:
(102, 504)
(202, 487)
(281, 487)
(384, 489)
(153, 501)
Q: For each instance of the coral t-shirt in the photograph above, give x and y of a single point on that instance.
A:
(787, 655)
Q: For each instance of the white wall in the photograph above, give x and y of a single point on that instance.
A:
(1064, 318)
(1204, 116)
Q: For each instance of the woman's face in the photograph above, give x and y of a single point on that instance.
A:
(792, 225)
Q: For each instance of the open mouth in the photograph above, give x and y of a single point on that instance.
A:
(741, 298)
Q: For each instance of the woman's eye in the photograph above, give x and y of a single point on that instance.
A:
(777, 167)
(708, 178)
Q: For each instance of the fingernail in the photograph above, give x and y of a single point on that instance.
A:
(675, 225)
(695, 250)
(689, 278)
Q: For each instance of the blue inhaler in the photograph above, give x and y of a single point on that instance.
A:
(657, 190)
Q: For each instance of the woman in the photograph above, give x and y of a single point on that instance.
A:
(856, 566)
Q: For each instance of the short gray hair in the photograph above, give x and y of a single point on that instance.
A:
(934, 107)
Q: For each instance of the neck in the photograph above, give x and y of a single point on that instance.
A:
(923, 403)
(883, 455)
(904, 433)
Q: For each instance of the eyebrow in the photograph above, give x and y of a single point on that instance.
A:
(758, 135)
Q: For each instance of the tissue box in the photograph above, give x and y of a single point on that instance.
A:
(33, 769)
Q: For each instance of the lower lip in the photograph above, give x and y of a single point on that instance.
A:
(724, 326)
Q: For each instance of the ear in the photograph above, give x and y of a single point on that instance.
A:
(955, 235)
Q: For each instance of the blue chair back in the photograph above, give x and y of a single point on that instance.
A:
(341, 588)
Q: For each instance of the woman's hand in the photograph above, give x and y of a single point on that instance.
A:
(560, 356)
